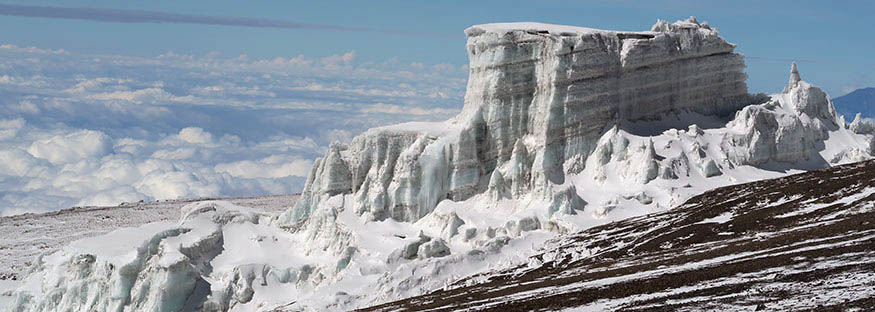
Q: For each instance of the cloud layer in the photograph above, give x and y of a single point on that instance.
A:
(104, 129)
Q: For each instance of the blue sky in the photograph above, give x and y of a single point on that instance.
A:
(98, 113)
(830, 39)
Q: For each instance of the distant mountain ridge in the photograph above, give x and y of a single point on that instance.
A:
(859, 101)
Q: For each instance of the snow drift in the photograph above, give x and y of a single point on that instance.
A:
(563, 128)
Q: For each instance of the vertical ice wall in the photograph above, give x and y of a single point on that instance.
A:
(548, 92)
(541, 100)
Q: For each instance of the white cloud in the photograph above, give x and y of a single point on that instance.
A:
(339, 60)
(87, 167)
(67, 148)
(228, 89)
(16, 162)
(195, 135)
(10, 127)
(100, 130)
(26, 106)
(134, 96)
(35, 81)
(178, 184)
(84, 85)
(397, 109)
(181, 153)
(272, 167)
(16, 48)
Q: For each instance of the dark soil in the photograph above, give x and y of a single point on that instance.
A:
(802, 242)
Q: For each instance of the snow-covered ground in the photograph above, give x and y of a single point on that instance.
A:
(802, 242)
(348, 260)
(6, 286)
(407, 209)
(24, 237)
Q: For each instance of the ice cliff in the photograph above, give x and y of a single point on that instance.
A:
(538, 99)
(562, 128)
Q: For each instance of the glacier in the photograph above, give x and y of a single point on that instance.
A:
(563, 128)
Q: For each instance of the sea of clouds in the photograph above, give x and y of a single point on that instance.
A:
(78, 130)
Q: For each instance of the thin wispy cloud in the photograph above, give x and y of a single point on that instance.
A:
(143, 16)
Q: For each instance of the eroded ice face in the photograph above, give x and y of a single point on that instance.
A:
(547, 143)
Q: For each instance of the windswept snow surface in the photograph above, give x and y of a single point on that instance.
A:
(411, 208)
(24, 237)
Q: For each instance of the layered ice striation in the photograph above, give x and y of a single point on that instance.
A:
(563, 128)
(538, 99)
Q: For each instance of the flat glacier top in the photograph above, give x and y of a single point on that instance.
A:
(550, 28)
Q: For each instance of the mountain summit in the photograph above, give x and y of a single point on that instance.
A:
(860, 101)
(563, 128)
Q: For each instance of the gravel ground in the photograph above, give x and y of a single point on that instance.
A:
(800, 243)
